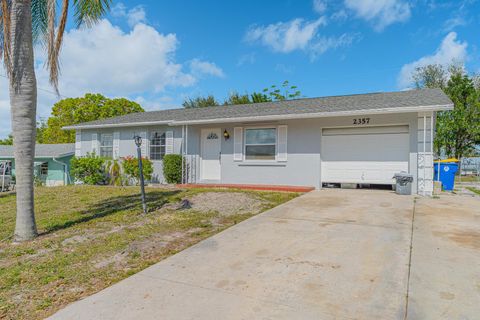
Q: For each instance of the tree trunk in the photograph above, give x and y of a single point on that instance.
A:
(23, 101)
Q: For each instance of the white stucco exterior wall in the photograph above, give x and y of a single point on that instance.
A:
(303, 165)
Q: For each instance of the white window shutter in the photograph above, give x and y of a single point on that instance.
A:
(78, 143)
(116, 145)
(143, 147)
(169, 142)
(237, 144)
(95, 145)
(282, 143)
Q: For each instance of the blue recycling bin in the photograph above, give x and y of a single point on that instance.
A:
(447, 174)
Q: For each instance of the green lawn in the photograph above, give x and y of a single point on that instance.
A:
(474, 190)
(92, 237)
(467, 178)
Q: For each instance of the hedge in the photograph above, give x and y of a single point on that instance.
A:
(172, 168)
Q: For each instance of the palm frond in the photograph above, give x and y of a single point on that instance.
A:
(6, 39)
(56, 45)
(39, 20)
(88, 12)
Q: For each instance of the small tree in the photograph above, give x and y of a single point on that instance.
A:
(458, 130)
(284, 92)
(200, 102)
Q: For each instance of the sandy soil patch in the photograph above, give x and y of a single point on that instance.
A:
(226, 203)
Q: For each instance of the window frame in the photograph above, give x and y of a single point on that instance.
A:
(102, 147)
(43, 170)
(8, 168)
(160, 132)
(245, 144)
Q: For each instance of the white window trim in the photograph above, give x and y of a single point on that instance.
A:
(150, 133)
(100, 146)
(264, 144)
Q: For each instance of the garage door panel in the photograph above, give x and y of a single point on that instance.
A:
(362, 172)
(374, 147)
(364, 156)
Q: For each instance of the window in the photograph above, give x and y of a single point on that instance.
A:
(44, 169)
(106, 145)
(6, 167)
(157, 146)
(260, 144)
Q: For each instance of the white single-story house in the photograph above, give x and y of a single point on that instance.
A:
(351, 139)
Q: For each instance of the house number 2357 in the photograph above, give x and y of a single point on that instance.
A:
(361, 121)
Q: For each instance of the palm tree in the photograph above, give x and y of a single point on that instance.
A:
(23, 24)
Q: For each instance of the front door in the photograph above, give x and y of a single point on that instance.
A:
(211, 152)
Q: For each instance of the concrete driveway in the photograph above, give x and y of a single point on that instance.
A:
(331, 254)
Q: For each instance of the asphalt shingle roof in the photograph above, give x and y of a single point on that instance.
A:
(43, 150)
(347, 103)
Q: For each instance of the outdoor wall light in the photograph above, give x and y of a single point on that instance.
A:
(138, 140)
(226, 135)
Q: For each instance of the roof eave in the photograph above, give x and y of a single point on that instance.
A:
(116, 125)
(44, 156)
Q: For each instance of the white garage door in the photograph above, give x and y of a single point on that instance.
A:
(364, 155)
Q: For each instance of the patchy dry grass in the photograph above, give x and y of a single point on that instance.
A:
(92, 237)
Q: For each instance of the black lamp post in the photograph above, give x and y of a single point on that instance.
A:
(138, 143)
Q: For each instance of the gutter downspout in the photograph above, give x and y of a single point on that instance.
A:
(65, 174)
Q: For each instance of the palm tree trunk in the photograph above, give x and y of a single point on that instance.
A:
(23, 101)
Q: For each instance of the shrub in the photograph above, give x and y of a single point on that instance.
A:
(172, 168)
(89, 169)
(115, 177)
(130, 168)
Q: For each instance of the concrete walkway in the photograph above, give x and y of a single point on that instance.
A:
(332, 254)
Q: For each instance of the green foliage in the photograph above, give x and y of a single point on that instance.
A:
(130, 168)
(258, 97)
(172, 168)
(7, 141)
(41, 127)
(115, 177)
(76, 110)
(236, 98)
(200, 102)
(430, 76)
(283, 92)
(89, 169)
(458, 130)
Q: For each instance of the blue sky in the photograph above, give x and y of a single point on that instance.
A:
(159, 52)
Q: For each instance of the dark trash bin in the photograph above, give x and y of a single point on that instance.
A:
(403, 183)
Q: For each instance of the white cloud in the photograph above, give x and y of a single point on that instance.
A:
(340, 15)
(319, 6)
(381, 13)
(200, 68)
(450, 50)
(454, 22)
(327, 43)
(286, 36)
(136, 63)
(134, 16)
(297, 34)
(248, 58)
